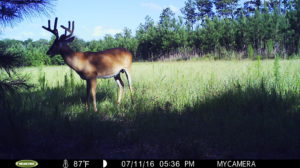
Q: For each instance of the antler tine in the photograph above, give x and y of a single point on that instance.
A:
(73, 26)
(47, 28)
(55, 24)
(72, 30)
(54, 31)
(69, 24)
(69, 29)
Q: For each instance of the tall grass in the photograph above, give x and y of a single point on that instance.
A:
(190, 109)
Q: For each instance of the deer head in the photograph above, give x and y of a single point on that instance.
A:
(60, 42)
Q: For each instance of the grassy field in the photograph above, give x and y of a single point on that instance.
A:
(190, 109)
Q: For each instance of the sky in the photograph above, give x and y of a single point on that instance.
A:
(93, 18)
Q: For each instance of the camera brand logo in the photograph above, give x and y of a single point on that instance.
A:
(26, 163)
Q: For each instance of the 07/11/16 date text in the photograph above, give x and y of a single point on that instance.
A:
(157, 163)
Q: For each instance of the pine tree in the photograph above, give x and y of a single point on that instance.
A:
(226, 8)
(205, 9)
(189, 12)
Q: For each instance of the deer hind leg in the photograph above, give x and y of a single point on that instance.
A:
(121, 87)
(128, 76)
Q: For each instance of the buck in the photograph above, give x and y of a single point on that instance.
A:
(91, 65)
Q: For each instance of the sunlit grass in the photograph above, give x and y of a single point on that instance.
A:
(178, 83)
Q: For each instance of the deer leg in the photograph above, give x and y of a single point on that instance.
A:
(121, 87)
(93, 92)
(129, 83)
(88, 94)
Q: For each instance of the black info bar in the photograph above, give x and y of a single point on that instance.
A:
(107, 163)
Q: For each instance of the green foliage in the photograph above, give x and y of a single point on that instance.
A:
(205, 8)
(258, 66)
(270, 48)
(78, 45)
(250, 51)
(57, 60)
(9, 57)
(225, 8)
(42, 80)
(294, 20)
(276, 70)
(189, 12)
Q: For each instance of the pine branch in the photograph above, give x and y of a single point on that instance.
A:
(9, 85)
(12, 11)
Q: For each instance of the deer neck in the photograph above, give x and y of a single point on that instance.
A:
(69, 57)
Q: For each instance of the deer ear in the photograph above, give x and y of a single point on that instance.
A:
(69, 40)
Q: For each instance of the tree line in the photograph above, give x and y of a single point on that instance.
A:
(218, 28)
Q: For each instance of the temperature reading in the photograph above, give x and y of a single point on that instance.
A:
(81, 163)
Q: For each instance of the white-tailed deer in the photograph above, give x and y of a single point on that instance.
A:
(91, 65)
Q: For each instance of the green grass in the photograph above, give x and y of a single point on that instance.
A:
(185, 109)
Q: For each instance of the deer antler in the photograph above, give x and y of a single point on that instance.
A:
(68, 29)
(54, 31)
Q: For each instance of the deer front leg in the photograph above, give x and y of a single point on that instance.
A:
(88, 94)
(121, 87)
(91, 85)
(93, 92)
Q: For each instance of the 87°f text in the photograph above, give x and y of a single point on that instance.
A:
(81, 163)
